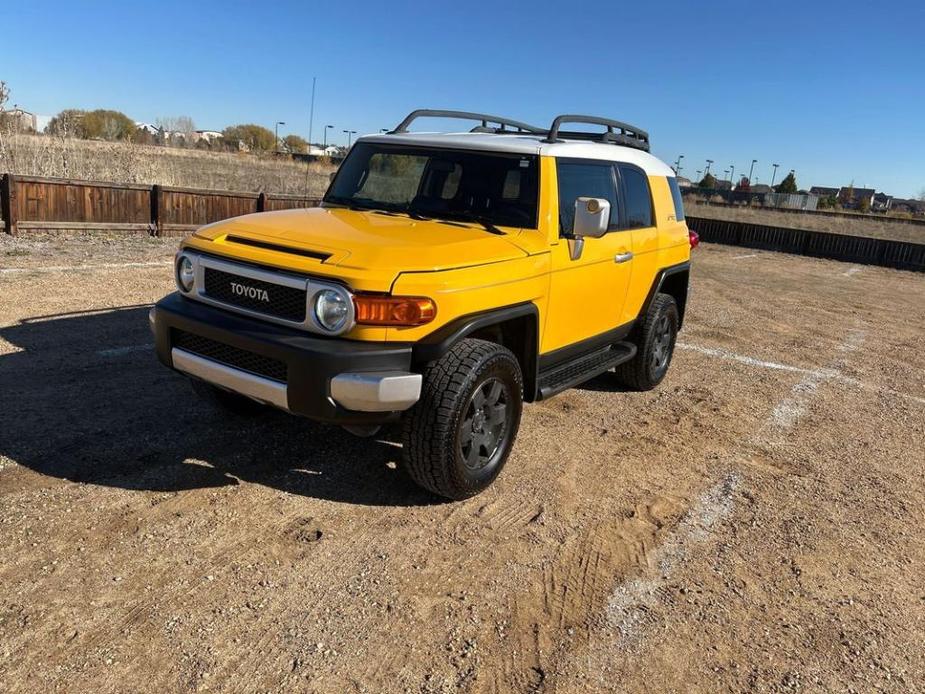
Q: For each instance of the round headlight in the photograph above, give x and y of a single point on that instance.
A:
(186, 276)
(332, 309)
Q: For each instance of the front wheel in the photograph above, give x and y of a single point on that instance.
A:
(655, 341)
(458, 436)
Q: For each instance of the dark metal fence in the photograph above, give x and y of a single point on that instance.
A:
(818, 244)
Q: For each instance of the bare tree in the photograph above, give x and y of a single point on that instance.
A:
(178, 128)
(4, 153)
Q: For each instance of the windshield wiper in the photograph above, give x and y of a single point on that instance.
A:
(479, 219)
(460, 217)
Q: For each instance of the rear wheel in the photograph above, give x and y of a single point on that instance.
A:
(655, 341)
(226, 400)
(458, 437)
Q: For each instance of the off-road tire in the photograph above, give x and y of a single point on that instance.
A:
(437, 453)
(234, 403)
(643, 371)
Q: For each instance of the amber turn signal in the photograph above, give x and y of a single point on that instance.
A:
(394, 310)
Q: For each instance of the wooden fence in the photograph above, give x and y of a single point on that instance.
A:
(31, 203)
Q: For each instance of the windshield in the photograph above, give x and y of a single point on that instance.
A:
(491, 188)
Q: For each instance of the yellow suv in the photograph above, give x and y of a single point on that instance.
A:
(445, 279)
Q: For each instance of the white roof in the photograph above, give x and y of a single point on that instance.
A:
(530, 144)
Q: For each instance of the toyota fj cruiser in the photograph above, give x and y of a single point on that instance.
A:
(445, 279)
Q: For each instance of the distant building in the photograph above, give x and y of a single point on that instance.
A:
(762, 188)
(152, 130)
(882, 202)
(824, 191)
(21, 120)
(908, 206)
(685, 182)
(851, 198)
(209, 136)
(329, 151)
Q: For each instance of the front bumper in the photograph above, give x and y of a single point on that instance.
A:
(327, 379)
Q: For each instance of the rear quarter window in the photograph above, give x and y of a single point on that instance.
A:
(676, 196)
(638, 199)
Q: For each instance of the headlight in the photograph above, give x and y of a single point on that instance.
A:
(332, 308)
(186, 275)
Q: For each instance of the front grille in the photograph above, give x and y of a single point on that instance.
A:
(230, 356)
(256, 295)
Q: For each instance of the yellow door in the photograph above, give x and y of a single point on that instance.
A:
(587, 293)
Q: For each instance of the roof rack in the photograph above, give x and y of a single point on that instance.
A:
(628, 135)
(502, 129)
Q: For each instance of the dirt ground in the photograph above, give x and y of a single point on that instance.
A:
(757, 523)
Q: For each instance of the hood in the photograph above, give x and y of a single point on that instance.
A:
(349, 243)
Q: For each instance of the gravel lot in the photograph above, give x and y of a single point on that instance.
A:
(757, 523)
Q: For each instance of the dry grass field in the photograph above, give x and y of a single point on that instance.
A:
(754, 524)
(855, 225)
(120, 162)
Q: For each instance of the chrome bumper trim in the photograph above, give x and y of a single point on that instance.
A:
(379, 391)
(257, 387)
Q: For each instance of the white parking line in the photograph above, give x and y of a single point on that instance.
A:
(749, 255)
(74, 268)
(851, 271)
(750, 361)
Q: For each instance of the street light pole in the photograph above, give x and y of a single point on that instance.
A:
(750, 170)
(326, 136)
(774, 174)
(677, 165)
(276, 132)
(732, 173)
(707, 170)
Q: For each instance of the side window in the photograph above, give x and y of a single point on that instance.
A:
(584, 179)
(638, 202)
(676, 196)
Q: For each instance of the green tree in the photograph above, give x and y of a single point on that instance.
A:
(253, 137)
(108, 125)
(708, 181)
(788, 185)
(102, 124)
(294, 143)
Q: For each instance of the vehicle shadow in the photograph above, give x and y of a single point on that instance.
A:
(84, 398)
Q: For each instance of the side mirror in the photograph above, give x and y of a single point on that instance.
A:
(592, 217)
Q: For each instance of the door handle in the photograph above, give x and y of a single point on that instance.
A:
(623, 257)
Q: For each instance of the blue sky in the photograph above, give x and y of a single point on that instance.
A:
(833, 90)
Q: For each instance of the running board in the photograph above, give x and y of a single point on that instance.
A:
(571, 373)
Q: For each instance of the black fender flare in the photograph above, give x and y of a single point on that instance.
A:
(439, 342)
(673, 271)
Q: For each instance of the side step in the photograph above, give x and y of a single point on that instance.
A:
(571, 373)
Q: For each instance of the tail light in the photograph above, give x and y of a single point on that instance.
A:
(693, 237)
(394, 310)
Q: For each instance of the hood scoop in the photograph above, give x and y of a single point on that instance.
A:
(320, 256)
